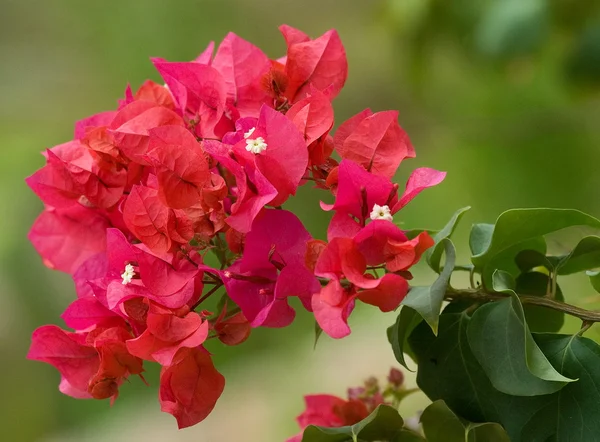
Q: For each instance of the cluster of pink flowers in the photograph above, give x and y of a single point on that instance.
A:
(135, 201)
(325, 410)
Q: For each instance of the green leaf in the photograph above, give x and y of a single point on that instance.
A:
(540, 319)
(449, 371)
(428, 300)
(382, 424)
(501, 342)
(594, 280)
(413, 233)
(487, 432)
(440, 424)
(506, 260)
(434, 254)
(518, 225)
(480, 237)
(503, 282)
(408, 436)
(398, 333)
(585, 256)
(530, 259)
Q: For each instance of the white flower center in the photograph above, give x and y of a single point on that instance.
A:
(381, 212)
(249, 133)
(256, 145)
(128, 274)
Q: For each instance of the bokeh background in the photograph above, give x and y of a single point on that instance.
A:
(502, 94)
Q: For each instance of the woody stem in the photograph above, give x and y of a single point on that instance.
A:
(484, 296)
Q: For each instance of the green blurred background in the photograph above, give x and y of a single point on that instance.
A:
(502, 94)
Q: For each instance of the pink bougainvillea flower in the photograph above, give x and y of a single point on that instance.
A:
(252, 190)
(69, 354)
(71, 172)
(242, 65)
(277, 149)
(133, 272)
(181, 168)
(167, 331)
(375, 141)
(325, 410)
(361, 196)
(155, 93)
(190, 387)
(272, 269)
(233, 330)
(96, 120)
(348, 259)
(313, 115)
(320, 62)
(419, 180)
(91, 364)
(66, 238)
(131, 126)
(153, 223)
(84, 313)
(199, 91)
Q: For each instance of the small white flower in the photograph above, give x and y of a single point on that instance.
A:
(381, 212)
(128, 274)
(249, 133)
(256, 145)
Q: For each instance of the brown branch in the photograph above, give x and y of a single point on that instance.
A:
(483, 296)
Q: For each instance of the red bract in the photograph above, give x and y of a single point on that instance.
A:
(344, 261)
(167, 332)
(375, 141)
(320, 62)
(329, 411)
(199, 91)
(284, 158)
(67, 237)
(92, 364)
(73, 172)
(233, 330)
(131, 126)
(362, 195)
(272, 269)
(252, 191)
(242, 65)
(153, 223)
(313, 116)
(181, 168)
(190, 387)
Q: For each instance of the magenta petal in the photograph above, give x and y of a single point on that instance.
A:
(372, 239)
(419, 180)
(352, 178)
(342, 225)
(67, 238)
(93, 268)
(86, 312)
(242, 66)
(164, 356)
(279, 232)
(298, 281)
(284, 161)
(333, 319)
(76, 362)
(161, 278)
